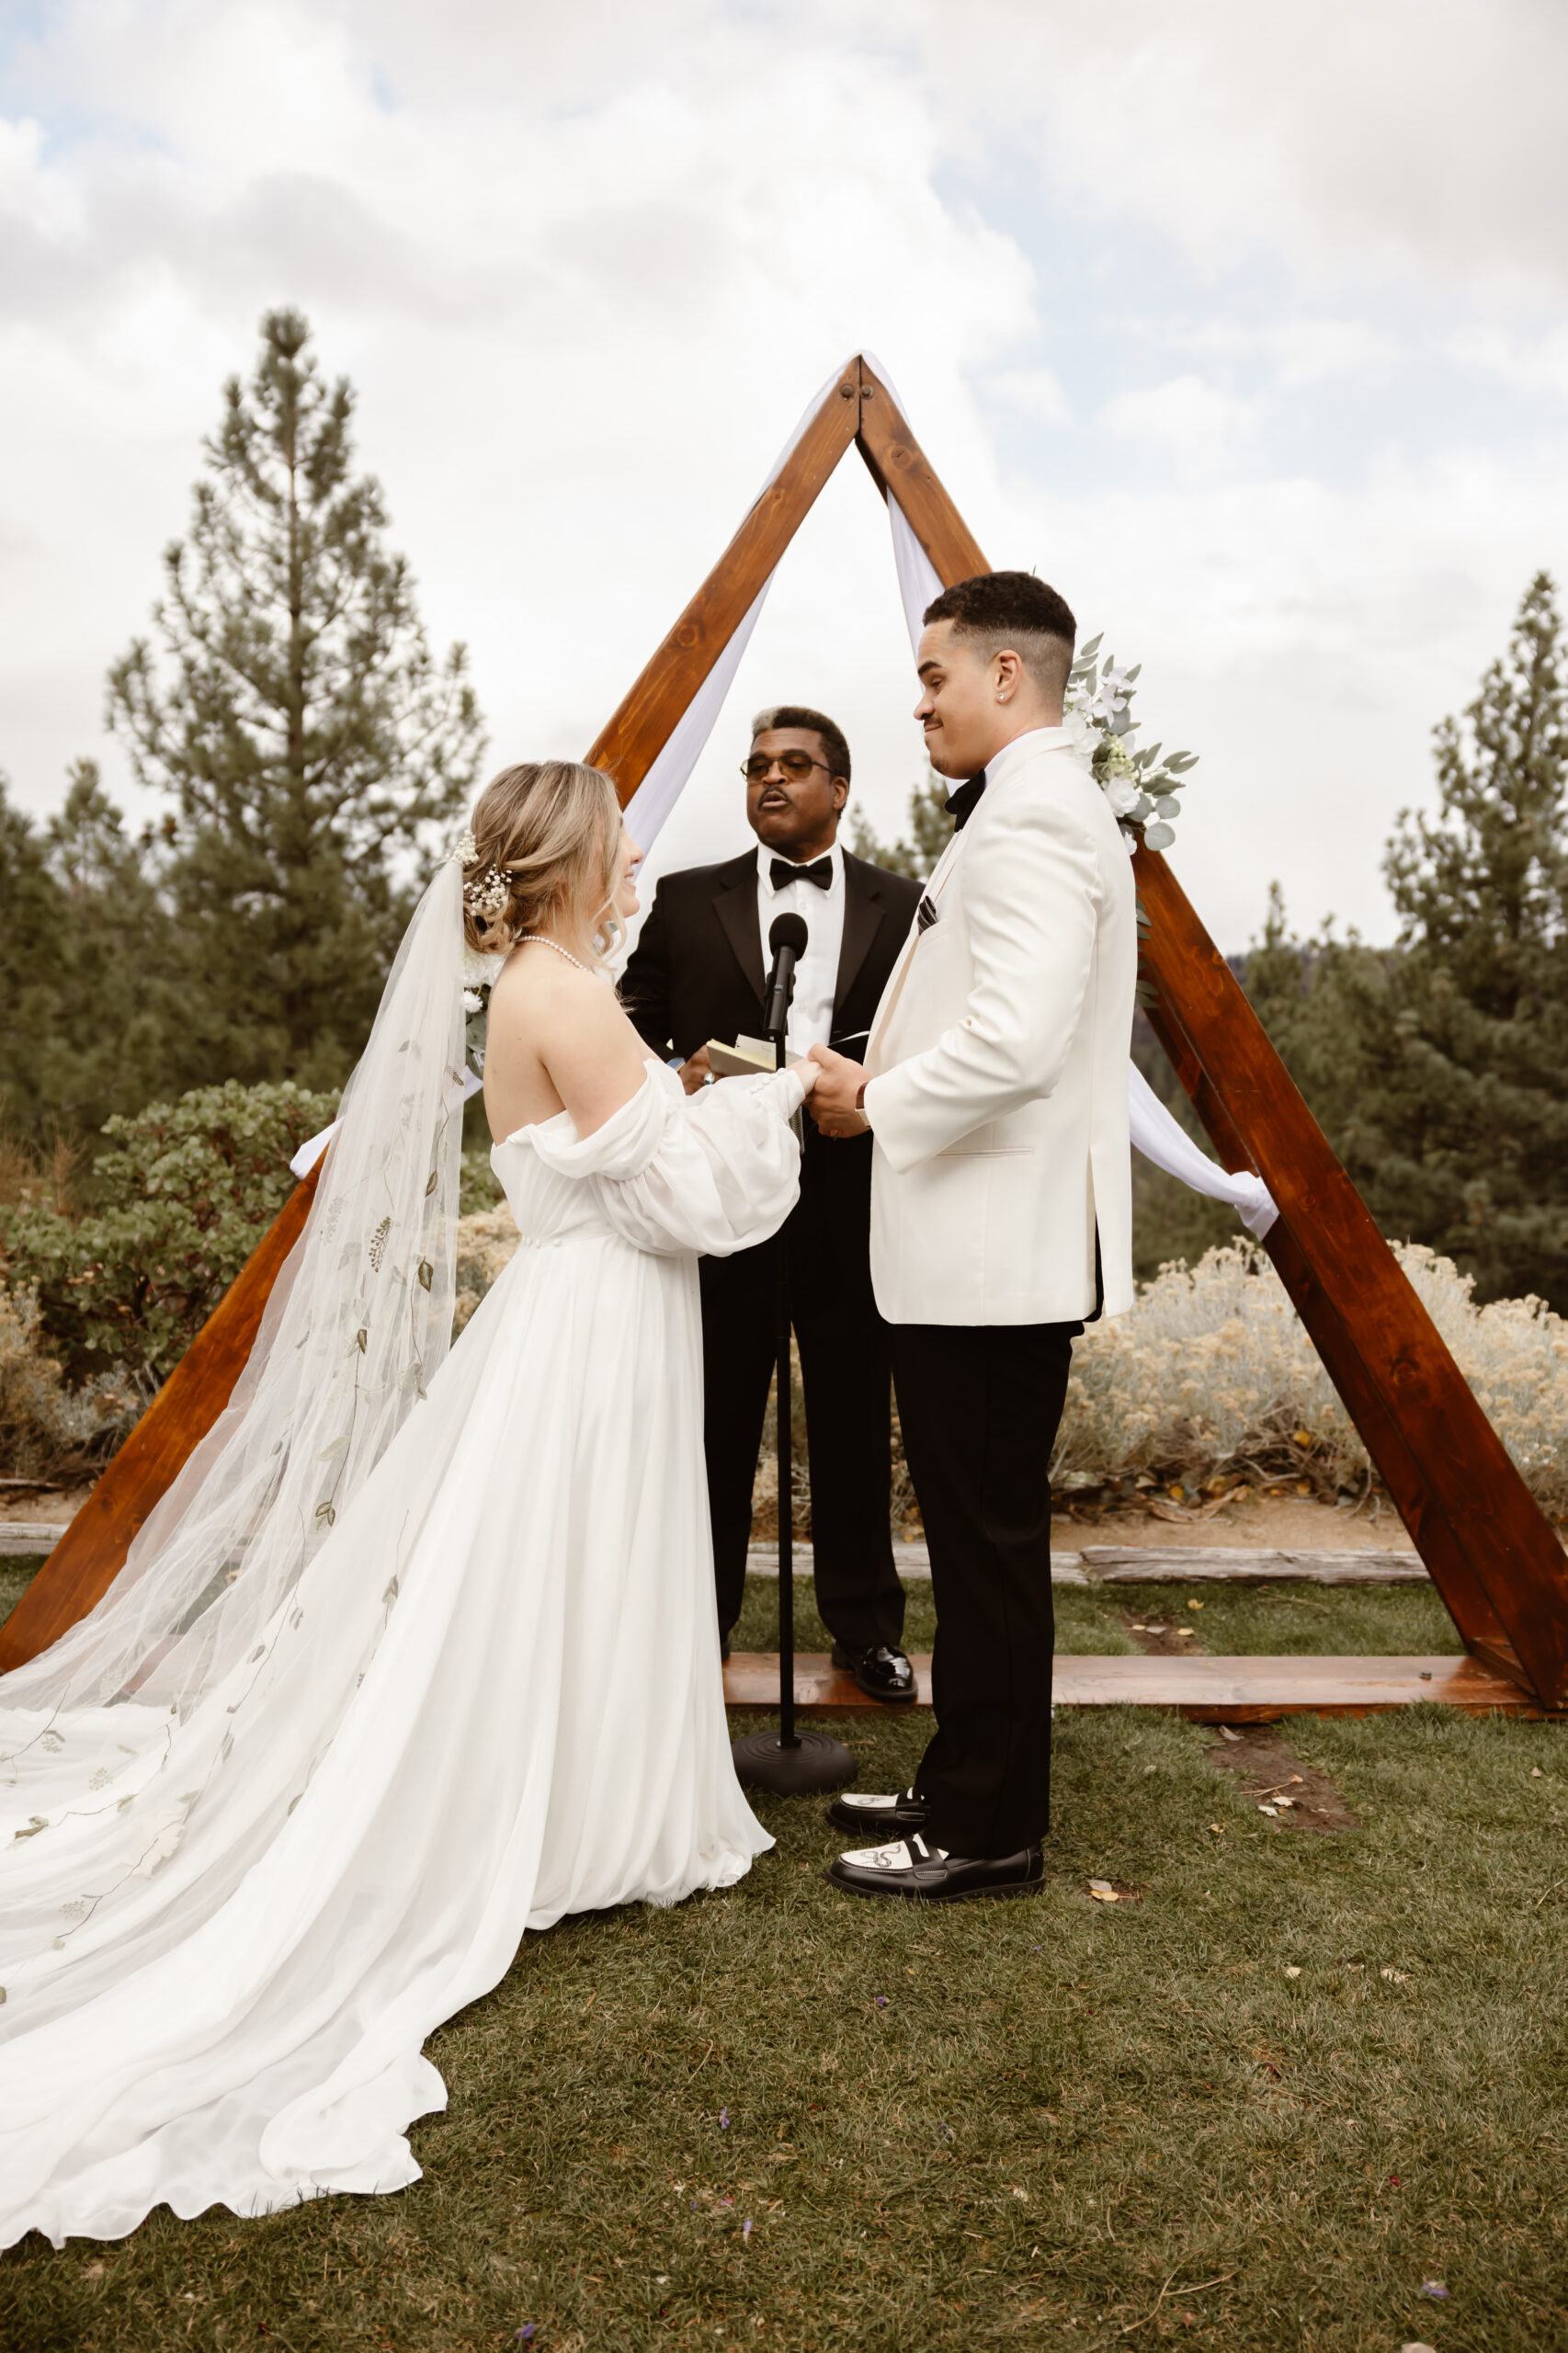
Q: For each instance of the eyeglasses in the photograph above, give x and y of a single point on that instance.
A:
(797, 765)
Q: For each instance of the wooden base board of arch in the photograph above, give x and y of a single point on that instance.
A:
(91, 1553)
(1205, 1690)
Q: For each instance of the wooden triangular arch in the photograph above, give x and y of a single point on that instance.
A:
(1490, 1550)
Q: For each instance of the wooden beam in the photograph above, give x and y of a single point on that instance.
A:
(892, 455)
(1490, 1552)
(1206, 1690)
(1245, 1564)
(648, 713)
(91, 1553)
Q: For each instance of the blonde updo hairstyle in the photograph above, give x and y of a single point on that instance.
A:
(546, 836)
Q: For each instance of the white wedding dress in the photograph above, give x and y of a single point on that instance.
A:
(485, 1693)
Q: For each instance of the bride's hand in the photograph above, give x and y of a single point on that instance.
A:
(836, 1109)
(808, 1073)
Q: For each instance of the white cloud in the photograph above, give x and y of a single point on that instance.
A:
(1036, 392)
(1368, 133)
(1200, 427)
(1534, 364)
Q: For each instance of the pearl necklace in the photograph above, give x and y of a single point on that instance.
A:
(545, 942)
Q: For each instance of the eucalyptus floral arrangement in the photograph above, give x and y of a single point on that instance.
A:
(1141, 785)
(479, 974)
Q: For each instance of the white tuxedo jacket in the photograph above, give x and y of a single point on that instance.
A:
(999, 1054)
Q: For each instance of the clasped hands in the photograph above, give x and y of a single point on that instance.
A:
(831, 1082)
(835, 1102)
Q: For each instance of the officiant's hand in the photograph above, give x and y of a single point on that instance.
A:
(835, 1098)
(694, 1073)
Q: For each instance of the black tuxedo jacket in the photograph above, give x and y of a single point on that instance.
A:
(700, 968)
(698, 972)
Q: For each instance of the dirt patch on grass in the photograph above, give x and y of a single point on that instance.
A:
(1170, 1633)
(1303, 1799)
(1245, 1517)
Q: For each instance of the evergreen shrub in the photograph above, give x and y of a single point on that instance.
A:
(179, 1203)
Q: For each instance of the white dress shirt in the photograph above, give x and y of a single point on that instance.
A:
(816, 974)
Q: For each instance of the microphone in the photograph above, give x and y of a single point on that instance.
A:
(787, 944)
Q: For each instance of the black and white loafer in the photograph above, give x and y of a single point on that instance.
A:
(869, 1817)
(925, 1874)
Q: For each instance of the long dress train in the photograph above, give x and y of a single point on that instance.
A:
(518, 1604)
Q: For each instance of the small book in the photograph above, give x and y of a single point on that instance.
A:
(744, 1058)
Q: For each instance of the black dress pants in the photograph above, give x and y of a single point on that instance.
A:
(846, 1376)
(979, 1405)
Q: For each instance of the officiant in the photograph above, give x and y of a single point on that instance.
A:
(699, 971)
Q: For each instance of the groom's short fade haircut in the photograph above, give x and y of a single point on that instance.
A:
(1003, 611)
(798, 714)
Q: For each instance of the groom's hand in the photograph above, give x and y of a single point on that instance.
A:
(834, 1099)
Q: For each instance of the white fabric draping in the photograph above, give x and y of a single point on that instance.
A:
(1156, 1132)
(1160, 1138)
(671, 772)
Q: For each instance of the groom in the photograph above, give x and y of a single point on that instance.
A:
(994, 1088)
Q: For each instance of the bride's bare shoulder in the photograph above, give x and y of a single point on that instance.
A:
(554, 999)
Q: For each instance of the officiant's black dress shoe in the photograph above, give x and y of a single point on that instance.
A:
(923, 1874)
(883, 1672)
(869, 1817)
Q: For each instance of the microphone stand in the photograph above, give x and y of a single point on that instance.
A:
(790, 1762)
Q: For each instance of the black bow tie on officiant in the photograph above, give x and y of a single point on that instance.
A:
(781, 873)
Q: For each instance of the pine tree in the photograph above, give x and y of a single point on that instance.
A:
(1437, 1068)
(1477, 1118)
(85, 949)
(308, 740)
(930, 824)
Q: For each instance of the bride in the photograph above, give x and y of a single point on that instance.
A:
(413, 1656)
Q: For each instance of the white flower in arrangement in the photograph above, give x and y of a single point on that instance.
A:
(472, 1001)
(480, 972)
(1138, 784)
(1081, 729)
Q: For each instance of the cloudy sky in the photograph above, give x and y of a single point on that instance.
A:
(1246, 326)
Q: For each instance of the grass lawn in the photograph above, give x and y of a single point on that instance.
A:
(779, 2118)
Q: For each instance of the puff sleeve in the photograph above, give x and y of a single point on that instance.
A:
(674, 1173)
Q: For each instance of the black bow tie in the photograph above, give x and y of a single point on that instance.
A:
(960, 805)
(820, 873)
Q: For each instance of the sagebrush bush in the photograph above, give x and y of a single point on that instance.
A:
(180, 1202)
(486, 1239)
(1212, 1372)
(48, 1432)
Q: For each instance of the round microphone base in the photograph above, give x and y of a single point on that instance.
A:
(815, 1764)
